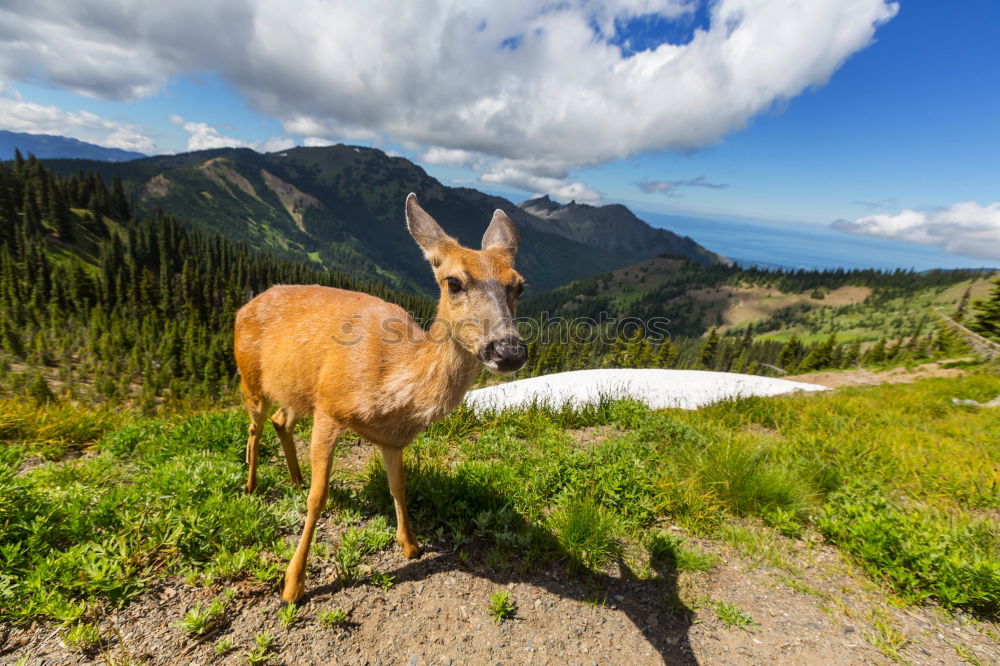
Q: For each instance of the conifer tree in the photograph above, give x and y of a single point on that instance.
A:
(790, 354)
(986, 315)
(821, 356)
(963, 305)
(666, 355)
(709, 350)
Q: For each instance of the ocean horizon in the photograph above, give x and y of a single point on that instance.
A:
(795, 246)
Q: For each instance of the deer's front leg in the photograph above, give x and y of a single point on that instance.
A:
(393, 459)
(324, 440)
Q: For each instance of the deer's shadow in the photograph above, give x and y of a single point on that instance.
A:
(445, 504)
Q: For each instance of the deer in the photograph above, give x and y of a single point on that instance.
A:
(357, 363)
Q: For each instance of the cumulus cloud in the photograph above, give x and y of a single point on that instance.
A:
(451, 157)
(966, 228)
(315, 141)
(203, 136)
(18, 115)
(522, 81)
(559, 187)
(669, 187)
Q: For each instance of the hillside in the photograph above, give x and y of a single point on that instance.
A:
(856, 304)
(616, 228)
(48, 146)
(341, 207)
(96, 305)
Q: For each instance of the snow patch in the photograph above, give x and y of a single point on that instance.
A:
(684, 389)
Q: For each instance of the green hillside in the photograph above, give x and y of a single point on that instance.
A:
(97, 305)
(853, 304)
(340, 207)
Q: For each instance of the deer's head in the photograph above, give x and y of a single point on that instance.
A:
(479, 288)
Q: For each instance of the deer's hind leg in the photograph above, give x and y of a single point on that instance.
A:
(257, 407)
(284, 421)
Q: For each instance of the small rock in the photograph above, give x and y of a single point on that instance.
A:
(414, 660)
(619, 597)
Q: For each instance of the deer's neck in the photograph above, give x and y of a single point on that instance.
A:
(434, 376)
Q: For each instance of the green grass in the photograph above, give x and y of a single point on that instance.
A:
(733, 616)
(262, 650)
(333, 618)
(161, 497)
(289, 614)
(358, 543)
(198, 620)
(587, 532)
(897, 477)
(918, 550)
(382, 580)
(671, 551)
(82, 637)
(502, 607)
(50, 431)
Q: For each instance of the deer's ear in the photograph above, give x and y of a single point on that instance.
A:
(501, 234)
(429, 235)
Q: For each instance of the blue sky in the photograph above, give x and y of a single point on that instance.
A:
(881, 117)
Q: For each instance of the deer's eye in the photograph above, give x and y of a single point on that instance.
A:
(518, 289)
(454, 286)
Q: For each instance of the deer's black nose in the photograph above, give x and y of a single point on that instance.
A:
(507, 354)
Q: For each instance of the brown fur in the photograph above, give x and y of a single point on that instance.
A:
(355, 362)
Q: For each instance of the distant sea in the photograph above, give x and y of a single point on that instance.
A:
(774, 245)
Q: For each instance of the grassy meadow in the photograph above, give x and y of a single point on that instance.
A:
(95, 504)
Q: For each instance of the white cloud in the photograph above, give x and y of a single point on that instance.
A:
(966, 228)
(450, 157)
(539, 85)
(561, 188)
(206, 137)
(18, 115)
(275, 143)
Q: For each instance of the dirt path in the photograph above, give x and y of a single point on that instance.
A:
(900, 375)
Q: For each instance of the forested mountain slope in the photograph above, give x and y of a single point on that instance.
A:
(341, 207)
(855, 304)
(116, 306)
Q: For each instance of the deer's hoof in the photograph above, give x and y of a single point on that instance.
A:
(251, 488)
(293, 592)
(410, 550)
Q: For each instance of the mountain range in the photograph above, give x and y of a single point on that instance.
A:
(48, 146)
(341, 207)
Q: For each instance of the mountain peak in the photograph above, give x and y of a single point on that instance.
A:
(614, 227)
(542, 203)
